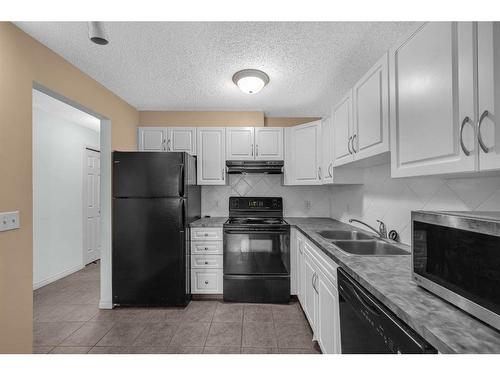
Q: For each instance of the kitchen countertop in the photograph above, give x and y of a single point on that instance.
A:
(208, 222)
(388, 278)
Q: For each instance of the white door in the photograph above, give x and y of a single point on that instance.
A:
(181, 139)
(269, 143)
(306, 153)
(310, 297)
(301, 271)
(342, 130)
(92, 207)
(240, 144)
(211, 156)
(152, 138)
(328, 319)
(371, 112)
(327, 150)
(489, 94)
(432, 99)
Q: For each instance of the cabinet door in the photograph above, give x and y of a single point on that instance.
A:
(342, 130)
(327, 151)
(306, 153)
(181, 139)
(432, 93)
(310, 296)
(269, 143)
(240, 144)
(489, 94)
(151, 138)
(371, 112)
(211, 156)
(328, 315)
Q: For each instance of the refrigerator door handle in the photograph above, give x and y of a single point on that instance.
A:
(181, 180)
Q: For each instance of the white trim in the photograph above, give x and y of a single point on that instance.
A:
(105, 305)
(58, 276)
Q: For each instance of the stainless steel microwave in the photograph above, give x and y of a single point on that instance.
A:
(456, 255)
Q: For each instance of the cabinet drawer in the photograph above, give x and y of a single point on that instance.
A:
(206, 281)
(213, 247)
(206, 261)
(206, 234)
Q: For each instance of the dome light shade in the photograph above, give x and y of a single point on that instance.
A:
(250, 81)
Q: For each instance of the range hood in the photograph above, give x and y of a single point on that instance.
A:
(254, 166)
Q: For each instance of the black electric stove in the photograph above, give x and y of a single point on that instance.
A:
(256, 251)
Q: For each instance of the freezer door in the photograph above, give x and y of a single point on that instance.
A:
(148, 174)
(149, 255)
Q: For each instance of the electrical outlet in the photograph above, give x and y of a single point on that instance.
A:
(9, 221)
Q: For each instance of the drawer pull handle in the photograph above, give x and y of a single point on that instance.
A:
(206, 234)
(206, 262)
(206, 282)
(206, 248)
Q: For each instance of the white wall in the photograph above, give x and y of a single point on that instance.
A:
(58, 147)
(299, 201)
(392, 200)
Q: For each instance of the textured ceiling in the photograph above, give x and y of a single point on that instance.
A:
(189, 65)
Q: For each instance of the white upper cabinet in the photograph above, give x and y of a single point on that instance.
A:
(432, 101)
(488, 62)
(240, 144)
(254, 143)
(370, 132)
(342, 131)
(211, 158)
(181, 139)
(151, 139)
(327, 150)
(303, 156)
(176, 139)
(268, 143)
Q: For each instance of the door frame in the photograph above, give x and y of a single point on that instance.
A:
(84, 200)
(106, 300)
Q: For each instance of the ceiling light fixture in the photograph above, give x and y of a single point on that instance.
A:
(97, 34)
(250, 81)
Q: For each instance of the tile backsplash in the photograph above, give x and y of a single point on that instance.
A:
(298, 201)
(392, 200)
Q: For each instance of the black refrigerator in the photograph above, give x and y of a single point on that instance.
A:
(155, 197)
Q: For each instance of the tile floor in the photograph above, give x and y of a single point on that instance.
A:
(67, 320)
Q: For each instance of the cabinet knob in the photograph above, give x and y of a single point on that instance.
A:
(206, 282)
(206, 262)
(206, 248)
(206, 234)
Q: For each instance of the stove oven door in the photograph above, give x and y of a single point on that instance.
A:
(257, 265)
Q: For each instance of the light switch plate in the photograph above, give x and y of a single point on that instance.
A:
(9, 221)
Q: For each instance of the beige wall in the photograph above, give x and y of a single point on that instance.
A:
(217, 118)
(201, 118)
(23, 61)
(288, 121)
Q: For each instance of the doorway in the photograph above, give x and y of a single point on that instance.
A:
(66, 191)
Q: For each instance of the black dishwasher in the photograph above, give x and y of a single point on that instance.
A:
(368, 327)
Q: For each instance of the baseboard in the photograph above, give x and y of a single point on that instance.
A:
(105, 305)
(56, 277)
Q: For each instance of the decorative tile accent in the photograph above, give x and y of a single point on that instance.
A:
(392, 200)
(299, 201)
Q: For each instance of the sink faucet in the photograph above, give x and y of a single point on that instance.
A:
(382, 230)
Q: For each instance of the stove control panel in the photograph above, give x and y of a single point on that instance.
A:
(256, 203)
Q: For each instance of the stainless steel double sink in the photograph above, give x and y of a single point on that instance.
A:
(358, 243)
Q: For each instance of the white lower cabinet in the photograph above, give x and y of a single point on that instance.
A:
(316, 287)
(206, 261)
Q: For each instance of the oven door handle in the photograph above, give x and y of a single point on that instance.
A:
(242, 231)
